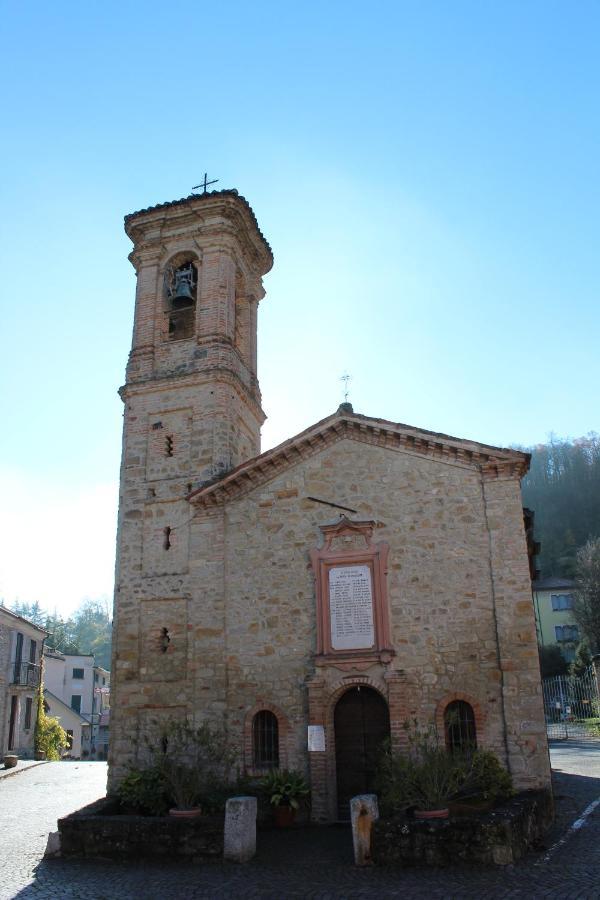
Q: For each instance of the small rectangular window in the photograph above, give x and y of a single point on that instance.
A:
(566, 632)
(78, 673)
(28, 708)
(76, 702)
(561, 601)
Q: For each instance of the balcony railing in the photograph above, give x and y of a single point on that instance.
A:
(26, 674)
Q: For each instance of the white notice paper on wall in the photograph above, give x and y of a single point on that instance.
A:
(351, 607)
(316, 738)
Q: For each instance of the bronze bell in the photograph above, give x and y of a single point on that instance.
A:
(182, 295)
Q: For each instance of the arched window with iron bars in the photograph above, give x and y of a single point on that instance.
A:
(459, 727)
(265, 740)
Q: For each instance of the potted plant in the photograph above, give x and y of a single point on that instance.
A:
(10, 760)
(195, 761)
(183, 787)
(423, 780)
(285, 790)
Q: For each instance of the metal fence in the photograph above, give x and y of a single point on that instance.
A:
(572, 707)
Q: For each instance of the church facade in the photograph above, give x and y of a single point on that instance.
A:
(313, 598)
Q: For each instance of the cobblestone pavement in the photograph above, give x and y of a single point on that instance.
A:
(312, 863)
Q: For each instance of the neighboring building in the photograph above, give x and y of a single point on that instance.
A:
(313, 598)
(21, 644)
(553, 600)
(77, 692)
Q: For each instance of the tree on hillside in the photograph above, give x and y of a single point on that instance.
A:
(31, 611)
(563, 489)
(552, 662)
(586, 609)
(89, 630)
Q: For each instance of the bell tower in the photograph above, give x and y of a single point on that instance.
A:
(192, 413)
(199, 264)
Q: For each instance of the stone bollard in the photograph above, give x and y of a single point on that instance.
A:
(363, 812)
(53, 845)
(240, 829)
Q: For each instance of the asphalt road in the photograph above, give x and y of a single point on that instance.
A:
(307, 863)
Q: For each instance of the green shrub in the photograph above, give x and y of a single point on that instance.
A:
(429, 777)
(144, 792)
(186, 767)
(487, 778)
(50, 737)
(285, 787)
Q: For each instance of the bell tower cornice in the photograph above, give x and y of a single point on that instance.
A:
(199, 265)
(208, 217)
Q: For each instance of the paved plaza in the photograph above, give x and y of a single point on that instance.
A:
(303, 863)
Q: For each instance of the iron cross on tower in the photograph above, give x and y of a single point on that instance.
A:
(346, 379)
(204, 184)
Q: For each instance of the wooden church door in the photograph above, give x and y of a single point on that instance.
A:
(361, 723)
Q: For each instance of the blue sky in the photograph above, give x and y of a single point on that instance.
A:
(426, 173)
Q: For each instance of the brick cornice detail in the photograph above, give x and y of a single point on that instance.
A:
(492, 463)
(212, 374)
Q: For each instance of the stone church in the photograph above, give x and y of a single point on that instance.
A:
(314, 597)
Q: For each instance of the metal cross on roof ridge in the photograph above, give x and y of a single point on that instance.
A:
(204, 184)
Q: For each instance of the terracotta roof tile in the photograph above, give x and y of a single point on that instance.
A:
(231, 192)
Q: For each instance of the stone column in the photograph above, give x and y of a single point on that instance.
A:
(240, 829)
(363, 812)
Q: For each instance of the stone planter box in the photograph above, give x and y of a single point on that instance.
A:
(499, 837)
(99, 831)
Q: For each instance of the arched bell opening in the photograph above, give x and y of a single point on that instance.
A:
(361, 725)
(181, 291)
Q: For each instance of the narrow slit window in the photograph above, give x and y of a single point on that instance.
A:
(167, 538)
(265, 740)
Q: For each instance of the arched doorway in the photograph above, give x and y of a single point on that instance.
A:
(361, 723)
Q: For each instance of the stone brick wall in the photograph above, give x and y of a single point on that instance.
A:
(4, 664)
(192, 412)
(244, 631)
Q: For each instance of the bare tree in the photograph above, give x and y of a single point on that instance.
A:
(586, 609)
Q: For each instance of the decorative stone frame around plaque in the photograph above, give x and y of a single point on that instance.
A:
(353, 622)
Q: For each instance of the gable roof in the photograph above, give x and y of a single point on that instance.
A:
(345, 423)
(66, 706)
(14, 615)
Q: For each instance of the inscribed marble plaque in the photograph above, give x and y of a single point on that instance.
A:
(316, 738)
(351, 607)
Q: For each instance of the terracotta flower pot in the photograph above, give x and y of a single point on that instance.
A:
(284, 816)
(10, 760)
(431, 813)
(470, 808)
(39, 754)
(186, 813)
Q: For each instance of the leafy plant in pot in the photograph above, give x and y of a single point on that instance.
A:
(183, 785)
(193, 761)
(286, 790)
(425, 779)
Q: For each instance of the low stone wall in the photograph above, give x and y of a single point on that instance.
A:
(99, 831)
(498, 837)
